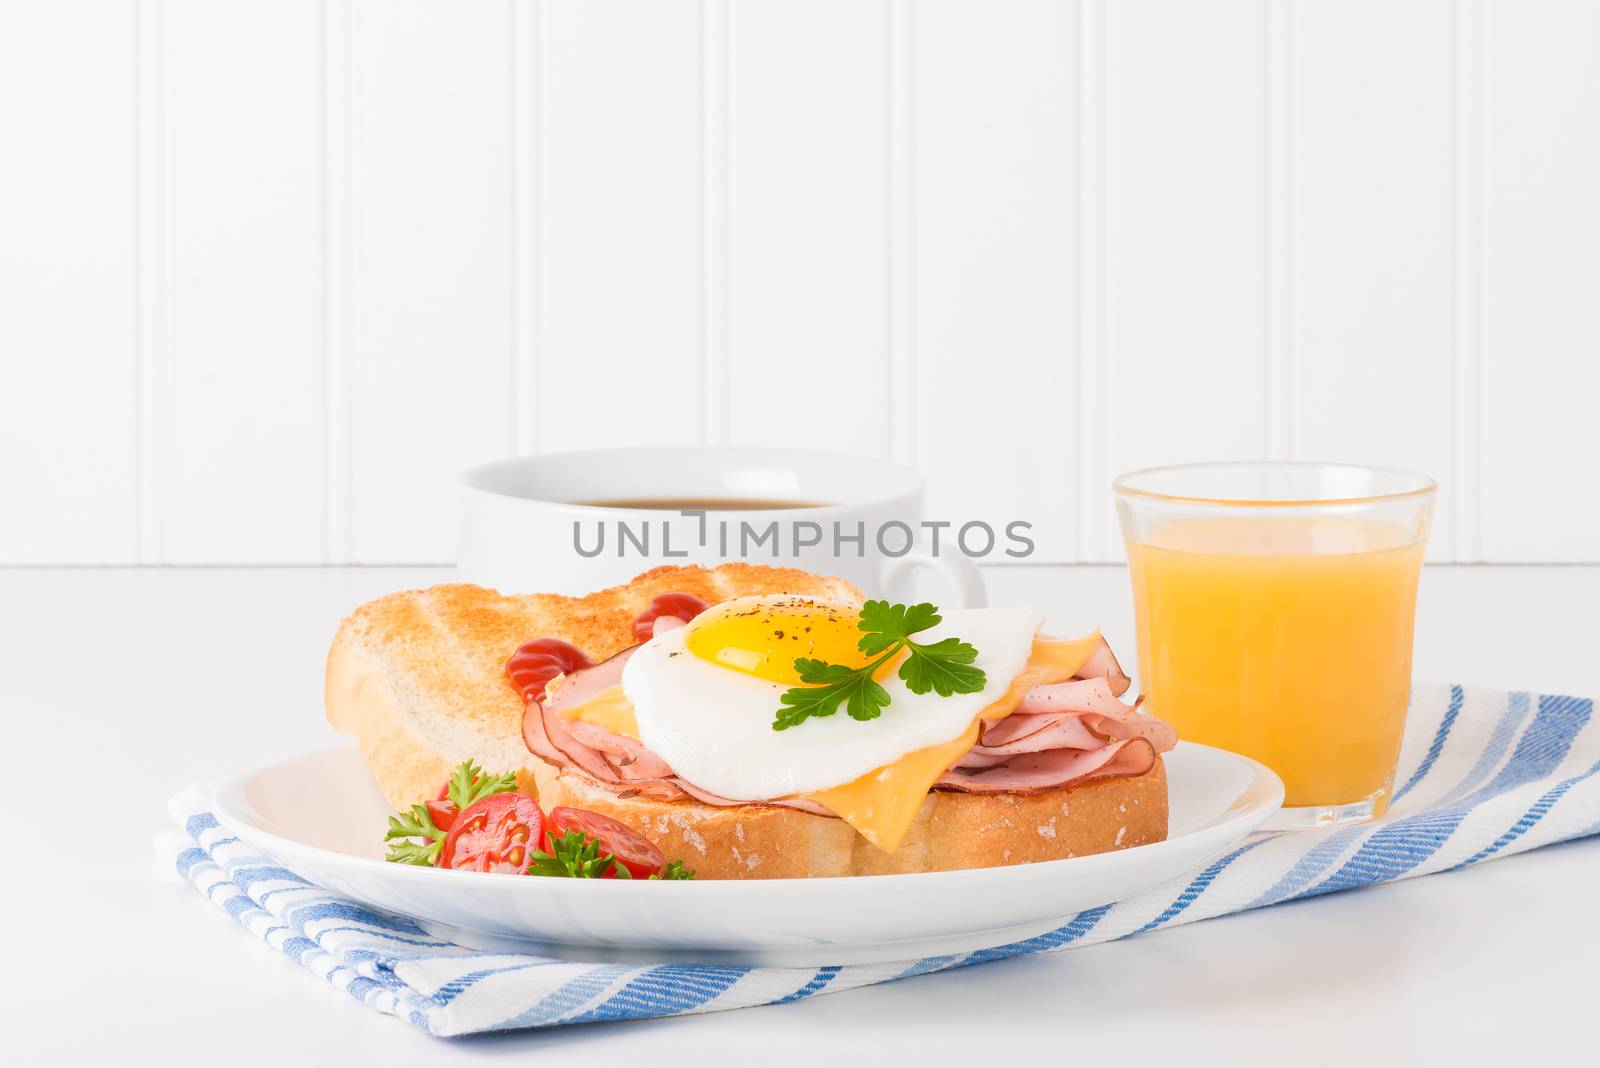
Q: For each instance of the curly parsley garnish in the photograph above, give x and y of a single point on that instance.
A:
(414, 824)
(944, 667)
(577, 856)
(674, 870)
(574, 856)
(467, 784)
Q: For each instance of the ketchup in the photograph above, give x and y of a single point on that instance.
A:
(533, 665)
(684, 606)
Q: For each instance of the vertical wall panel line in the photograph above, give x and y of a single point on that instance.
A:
(902, 215)
(154, 273)
(533, 384)
(1468, 163)
(338, 503)
(1093, 478)
(527, 279)
(714, 162)
(1279, 379)
(167, 382)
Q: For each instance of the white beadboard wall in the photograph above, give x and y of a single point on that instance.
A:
(271, 272)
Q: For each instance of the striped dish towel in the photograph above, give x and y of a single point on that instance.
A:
(1483, 774)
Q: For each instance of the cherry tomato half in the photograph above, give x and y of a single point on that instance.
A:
(533, 665)
(632, 850)
(494, 833)
(683, 605)
(444, 812)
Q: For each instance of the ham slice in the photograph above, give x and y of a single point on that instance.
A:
(585, 684)
(709, 798)
(537, 739)
(664, 624)
(1102, 664)
(628, 757)
(616, 760)
(573, 751)
(1061, 714)
(1060, 734)
(1032, 773)
(1019, 733)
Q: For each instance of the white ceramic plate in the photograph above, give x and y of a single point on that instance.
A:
(321, 815)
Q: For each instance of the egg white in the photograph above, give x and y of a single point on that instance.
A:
(714, 724)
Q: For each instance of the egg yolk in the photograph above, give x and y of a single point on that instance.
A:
(765, 639)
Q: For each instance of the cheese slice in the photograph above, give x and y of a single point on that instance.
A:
(611, 709)
(882, 804)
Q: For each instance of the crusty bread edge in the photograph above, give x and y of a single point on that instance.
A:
(952, 830)
(361, 701)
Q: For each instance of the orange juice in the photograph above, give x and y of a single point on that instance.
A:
(1287, 639)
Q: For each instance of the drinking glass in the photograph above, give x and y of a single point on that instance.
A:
(1275, 604)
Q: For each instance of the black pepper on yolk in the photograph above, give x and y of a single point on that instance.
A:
(766, 640)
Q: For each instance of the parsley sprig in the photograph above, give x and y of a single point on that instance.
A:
(574, 856)
(675, 870)
(944, 666)
(467, 784)
(417, 823)
(577, 856)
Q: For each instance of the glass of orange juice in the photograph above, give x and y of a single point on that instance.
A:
(1274, 604)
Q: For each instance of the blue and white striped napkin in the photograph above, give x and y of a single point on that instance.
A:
(1483, 774)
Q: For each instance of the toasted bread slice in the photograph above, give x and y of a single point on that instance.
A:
(418, 679)
(951, 830)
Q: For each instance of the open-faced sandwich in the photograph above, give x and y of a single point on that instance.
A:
(746, 721)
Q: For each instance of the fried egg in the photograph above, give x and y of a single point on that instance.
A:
(703, 698)
(705, 695)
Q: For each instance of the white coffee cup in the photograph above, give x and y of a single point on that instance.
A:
(533, 524)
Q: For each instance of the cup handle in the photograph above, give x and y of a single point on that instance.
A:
(958, 571)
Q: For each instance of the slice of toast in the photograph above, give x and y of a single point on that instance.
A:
(951, 830)
(418, 679)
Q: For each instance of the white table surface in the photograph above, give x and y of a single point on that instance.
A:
(121, 686)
